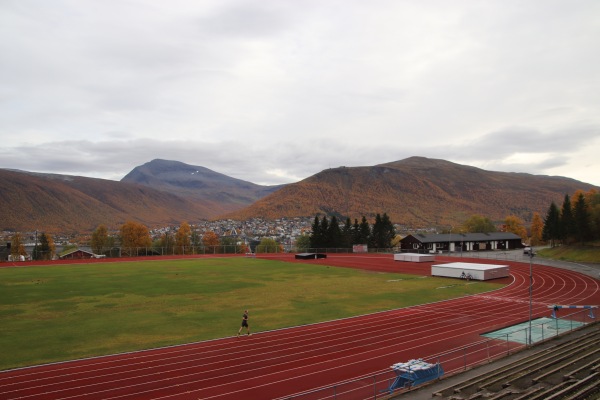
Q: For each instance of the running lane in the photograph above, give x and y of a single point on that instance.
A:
(276, 364)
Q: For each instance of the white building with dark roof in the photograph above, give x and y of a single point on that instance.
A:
(435, 243)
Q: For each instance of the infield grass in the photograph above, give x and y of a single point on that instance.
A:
(55, 313)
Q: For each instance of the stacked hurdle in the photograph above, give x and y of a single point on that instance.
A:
(556, 307)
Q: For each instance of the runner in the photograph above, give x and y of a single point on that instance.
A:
(244, 323)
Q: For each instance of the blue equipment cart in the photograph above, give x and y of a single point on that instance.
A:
(414, 372)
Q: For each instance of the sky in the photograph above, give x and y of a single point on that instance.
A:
(275, 91)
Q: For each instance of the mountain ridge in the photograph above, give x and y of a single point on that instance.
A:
(219, 192)
(416, 192)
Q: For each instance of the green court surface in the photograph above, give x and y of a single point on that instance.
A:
(541, 329)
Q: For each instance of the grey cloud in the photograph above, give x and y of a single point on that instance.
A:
(273, 91)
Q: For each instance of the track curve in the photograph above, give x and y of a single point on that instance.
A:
(276, 364)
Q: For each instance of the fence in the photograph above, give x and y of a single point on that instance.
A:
(375, 386)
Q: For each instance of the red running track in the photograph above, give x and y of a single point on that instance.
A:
(276, 364)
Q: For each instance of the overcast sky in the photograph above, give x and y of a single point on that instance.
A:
(274, 91)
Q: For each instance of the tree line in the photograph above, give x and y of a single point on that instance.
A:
(328, 233)
(575, 222)
(134, 239)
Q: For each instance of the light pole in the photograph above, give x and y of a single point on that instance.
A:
(530, 288)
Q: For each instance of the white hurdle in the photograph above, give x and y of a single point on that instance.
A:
(557, 307)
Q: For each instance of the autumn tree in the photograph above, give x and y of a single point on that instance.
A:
(515, 225)
(17, 247)
(135, 238)
(229, 245)
(268, 245)
(478, 224)
(211, 241)
(165, 244)
(396, 240)
(195, 240)
(537, 227)
(303, 243)
(100, 241)
(183, 239)
(47, 248)
(44, 248)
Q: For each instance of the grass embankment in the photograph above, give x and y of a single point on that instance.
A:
(54, 313)
(587, 254)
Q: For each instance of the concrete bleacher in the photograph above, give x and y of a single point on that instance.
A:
(565, 368)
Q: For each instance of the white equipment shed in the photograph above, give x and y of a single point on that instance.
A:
(414, 257)
(480, 272)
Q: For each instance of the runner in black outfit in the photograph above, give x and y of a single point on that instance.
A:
(244, 323)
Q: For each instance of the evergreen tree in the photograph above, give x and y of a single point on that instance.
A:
(377, 233)
(552, 232)
(356, 232)
(364, 231)
(334, 234)
(316, 237)
(36, 253)
(593, 202)
(581, 219)
(325, 238)
(383, 232)
(567, 222)
(389, 232)
(347, 234)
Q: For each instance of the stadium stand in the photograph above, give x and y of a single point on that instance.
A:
(565, 368)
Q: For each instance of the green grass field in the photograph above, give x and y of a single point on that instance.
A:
(54, 313)
(586, 254)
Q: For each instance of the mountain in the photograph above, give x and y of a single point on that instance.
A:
(218, 193)
(417, 192)
(62, 203)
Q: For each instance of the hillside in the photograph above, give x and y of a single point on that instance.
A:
(418, 192)
(219, 193)
(61, 203)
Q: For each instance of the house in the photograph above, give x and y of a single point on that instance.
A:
(79, 254)
(437, 243)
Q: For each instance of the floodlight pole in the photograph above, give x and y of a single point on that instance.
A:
(530, 289)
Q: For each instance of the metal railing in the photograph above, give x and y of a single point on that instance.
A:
(454, 361)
